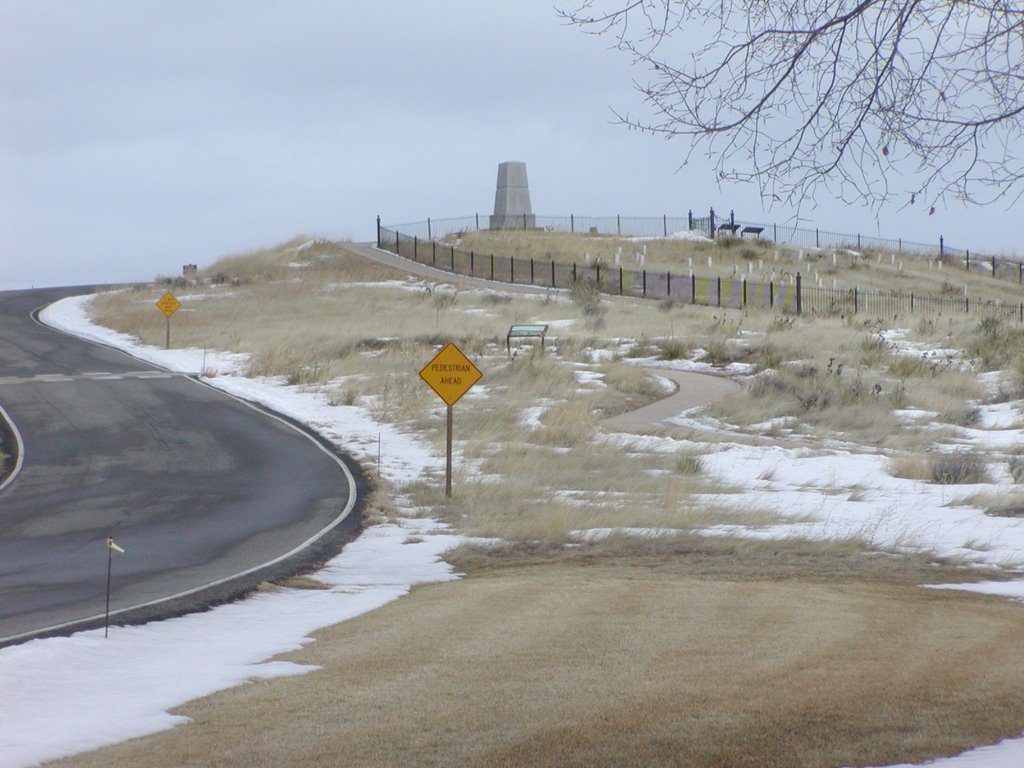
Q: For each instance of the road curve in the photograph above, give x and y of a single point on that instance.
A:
(208, 495)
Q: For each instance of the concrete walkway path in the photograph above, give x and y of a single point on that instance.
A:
(693, 389)
(388, 259)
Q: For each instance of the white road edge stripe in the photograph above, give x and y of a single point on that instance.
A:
(294, 551)
(20, 445)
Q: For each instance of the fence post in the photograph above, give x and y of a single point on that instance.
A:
(511, 269)
(942, 246)
(732, 220)
(689, 219)
(771, 294)
(775, 232)
(817, 240)
(712, 223)
(415, 248)
(552, 273)
(858, 241)
(472, 263)
(478, 222)
(664, 224)
(453, 258)
(524, 221)
(574, 271)
(1020, 271)
(799, 290)
(572, 223)
(693, 288)
(618, 224)
(993, 266)
(492, 267)
(668, 285)
(433, 253)
(620, 281)
(744, 292)
(378, 231)
(900, 241)
(531, 270)
(645, 283)
(968, 260)
(429, 235)
(398, 244)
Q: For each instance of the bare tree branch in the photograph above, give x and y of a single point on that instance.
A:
(875, 100)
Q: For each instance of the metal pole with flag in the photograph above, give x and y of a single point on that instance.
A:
(111, 548)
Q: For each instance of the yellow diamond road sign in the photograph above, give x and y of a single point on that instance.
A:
(450, 374)
(168, 304)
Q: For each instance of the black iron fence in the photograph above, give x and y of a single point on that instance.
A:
(422, 242)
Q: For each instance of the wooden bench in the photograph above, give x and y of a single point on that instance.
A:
(752, 231)
(730, 228)
(525, 332)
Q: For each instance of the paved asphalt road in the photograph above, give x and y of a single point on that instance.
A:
(195, 485)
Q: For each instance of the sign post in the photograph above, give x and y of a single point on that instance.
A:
(168, 304)
(111, 548)
(450, 374)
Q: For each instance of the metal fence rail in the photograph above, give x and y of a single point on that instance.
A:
(421, 242)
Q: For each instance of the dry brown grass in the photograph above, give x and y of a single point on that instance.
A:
(642, 663)
(759, 260)
(676, 650)
(911, 467)
(332, 326)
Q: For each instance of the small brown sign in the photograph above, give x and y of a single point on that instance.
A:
(168, 304)
(450, 374)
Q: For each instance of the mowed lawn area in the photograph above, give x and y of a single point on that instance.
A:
(628, 663)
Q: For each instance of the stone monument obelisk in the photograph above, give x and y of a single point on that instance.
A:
(512, 198)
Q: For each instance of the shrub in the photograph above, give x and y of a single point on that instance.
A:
(567, 424)
(718, 352)
(962, 415)
(957, 468)
(1017, 373)
(996, 345)
(1016, 466)
(872, 350)
(766, 356)
(910, 467)
(904, 367)
(689, 464)
(673, 349)
(586, 294)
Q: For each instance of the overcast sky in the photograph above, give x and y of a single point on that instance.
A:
(137, 136)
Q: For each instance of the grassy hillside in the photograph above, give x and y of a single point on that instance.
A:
(579, 637)
(759, 260)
